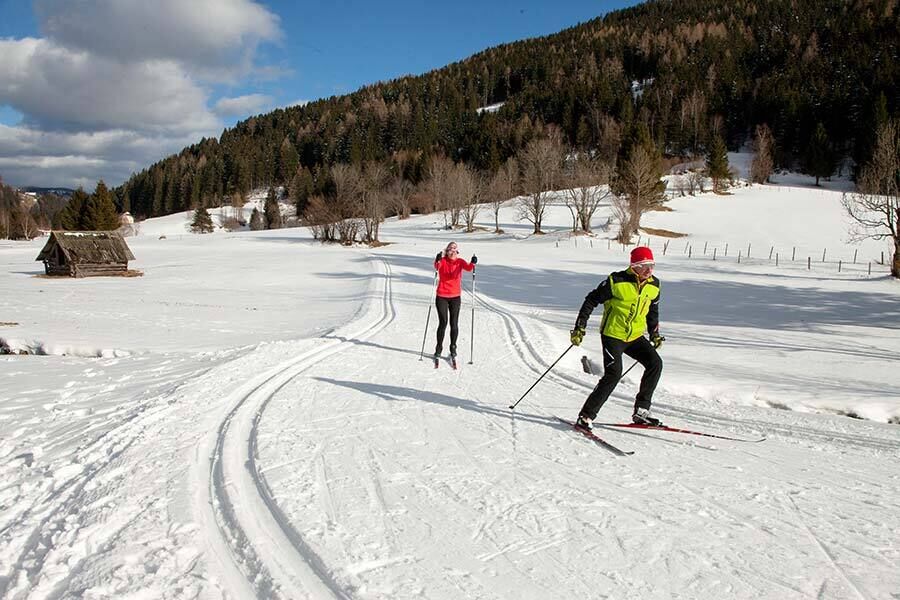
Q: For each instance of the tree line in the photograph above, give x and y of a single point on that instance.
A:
(820, 75)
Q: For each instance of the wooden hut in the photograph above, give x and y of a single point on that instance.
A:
(85, 253)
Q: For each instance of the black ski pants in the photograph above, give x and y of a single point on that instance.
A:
(447, 309)
(642, 351)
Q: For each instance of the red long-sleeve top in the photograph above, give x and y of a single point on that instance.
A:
(450, 276)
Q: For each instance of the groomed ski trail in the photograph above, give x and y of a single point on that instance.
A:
(259, 552)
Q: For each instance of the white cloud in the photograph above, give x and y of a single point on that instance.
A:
(119, 84)
(205, 34)
(58, 88)
(241, 106)
(34, 157)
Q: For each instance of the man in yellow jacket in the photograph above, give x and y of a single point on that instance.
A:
(630, 301)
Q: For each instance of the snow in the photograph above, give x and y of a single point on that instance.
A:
(250, 418)
(490, 108)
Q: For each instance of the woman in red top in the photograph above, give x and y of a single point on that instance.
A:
(449, 267)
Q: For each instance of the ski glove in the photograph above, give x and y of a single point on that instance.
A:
(657, 340)
(577, 335)
(439, 256)
(474, 260)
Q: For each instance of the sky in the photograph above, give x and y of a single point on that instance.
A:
(93, 89)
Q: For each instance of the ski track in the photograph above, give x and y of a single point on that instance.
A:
(531, 357)
(58, 512)
(273, 558)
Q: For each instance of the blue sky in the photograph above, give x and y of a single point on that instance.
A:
(101, 88)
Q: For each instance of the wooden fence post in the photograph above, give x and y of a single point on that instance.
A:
(808, 263)
(794, 254)
(714, 253)
(823, 254)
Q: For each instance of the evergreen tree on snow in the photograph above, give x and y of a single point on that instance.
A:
(202, 221)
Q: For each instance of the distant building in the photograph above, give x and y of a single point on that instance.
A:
(85, 253)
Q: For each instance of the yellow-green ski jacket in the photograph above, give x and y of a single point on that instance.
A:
(630, 308)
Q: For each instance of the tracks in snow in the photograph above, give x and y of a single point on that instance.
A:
(260, 553)
(532, 358)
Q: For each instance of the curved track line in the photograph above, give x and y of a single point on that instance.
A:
(262, 555)
(536, 363)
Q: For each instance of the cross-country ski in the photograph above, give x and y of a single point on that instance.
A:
(677, 430)
(597, 439)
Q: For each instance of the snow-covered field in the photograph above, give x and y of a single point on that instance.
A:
(251, 417)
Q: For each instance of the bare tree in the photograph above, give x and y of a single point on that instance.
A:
(400, 193)
(875, 206)
(587, 187)
(471, 189)
(321, 219)
(503, 186)
(347, 182)
(439, 173)
(237, 204)
(23, 222)
(374, 199)
(639, 186)
(763, 155)
(541, 165)
(693, 112)
(610, 139)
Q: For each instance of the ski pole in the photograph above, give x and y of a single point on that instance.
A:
(513, 406)
(428, 319)
(622, 376)
(472, 340)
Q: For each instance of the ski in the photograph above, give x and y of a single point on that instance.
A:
(596, 438)
(677, 430)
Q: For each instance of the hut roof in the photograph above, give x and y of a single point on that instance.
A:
(89, 247)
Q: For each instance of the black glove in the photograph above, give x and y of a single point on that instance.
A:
(474, 260)
(439, 256)
(657, 340)
(576, 335)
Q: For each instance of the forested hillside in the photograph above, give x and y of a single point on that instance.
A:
(822, 74)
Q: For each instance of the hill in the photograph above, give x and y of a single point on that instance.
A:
(678, 73)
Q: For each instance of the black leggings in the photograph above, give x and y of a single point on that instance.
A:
(447, 308)
(642, 351)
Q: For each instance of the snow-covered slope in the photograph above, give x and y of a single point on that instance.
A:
(259, 422)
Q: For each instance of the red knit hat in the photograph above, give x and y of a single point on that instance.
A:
(641, 255)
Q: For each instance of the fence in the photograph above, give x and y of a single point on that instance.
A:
(820, 260)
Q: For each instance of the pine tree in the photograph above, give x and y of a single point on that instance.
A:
(717, 164)
(288, 161)
(100, 212)
(272, 210)
(256, 220)
(820, 161)
(72, 217)
(202, 221)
